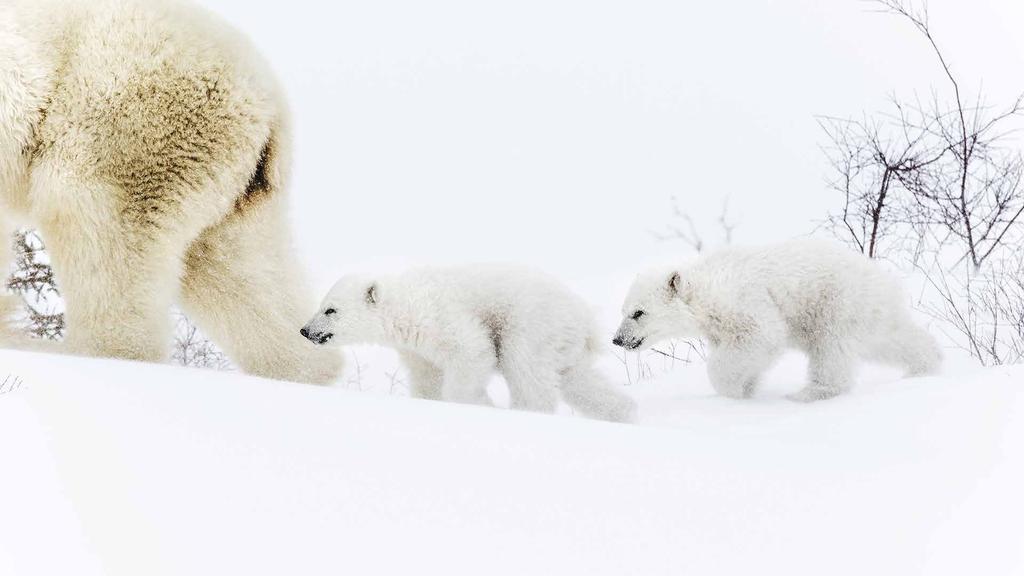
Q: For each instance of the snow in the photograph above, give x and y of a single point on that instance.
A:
(120, 468)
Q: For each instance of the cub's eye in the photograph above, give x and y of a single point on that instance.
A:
(330, 312)
(638, 314)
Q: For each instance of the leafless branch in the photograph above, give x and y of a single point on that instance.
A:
(356, 379)
(191, 348)
(395, 381)
(684, 229)
(10, 383)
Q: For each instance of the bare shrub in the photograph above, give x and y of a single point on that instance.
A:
(941, 174)
(355, 381)
(10, 384)
(937, 185)
(396, 381)
(684, 229)
(636, 366)
(191, 348)
(983, 312)
(33, 279)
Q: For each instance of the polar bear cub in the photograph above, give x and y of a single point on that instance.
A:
(751, 304)
(454, 327)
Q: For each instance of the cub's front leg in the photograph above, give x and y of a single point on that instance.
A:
(425, 378)
(467, 384)
(734, 371)
(470, 367)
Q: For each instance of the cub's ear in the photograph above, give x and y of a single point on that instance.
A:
(679, 288)
(371, 294)
(675, 283)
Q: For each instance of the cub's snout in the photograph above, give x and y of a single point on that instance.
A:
(628, 342)
(316, 337)
(630, 335)
(626, 339)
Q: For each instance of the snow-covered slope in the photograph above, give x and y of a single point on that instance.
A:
(125, 469)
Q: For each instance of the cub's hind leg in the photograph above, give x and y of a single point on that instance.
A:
(531, 389)
(589, 392)
(830, 372)
(907, 346)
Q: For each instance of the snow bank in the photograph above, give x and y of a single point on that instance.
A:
(118, 468)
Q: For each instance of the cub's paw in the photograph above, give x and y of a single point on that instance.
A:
(814, 394)
(627, 413)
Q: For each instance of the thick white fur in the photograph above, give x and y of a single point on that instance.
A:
(455, 327)
(751, 304)
(149, 144)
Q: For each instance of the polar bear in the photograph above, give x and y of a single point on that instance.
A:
(750, 304)
(149, 144)
(454, 327)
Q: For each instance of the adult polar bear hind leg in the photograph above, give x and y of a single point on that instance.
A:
(835, 305)
(148, 143)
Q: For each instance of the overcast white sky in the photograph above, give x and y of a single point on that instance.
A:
(555, 132)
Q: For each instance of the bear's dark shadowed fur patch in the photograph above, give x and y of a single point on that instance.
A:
(495, 325)
(259, 185)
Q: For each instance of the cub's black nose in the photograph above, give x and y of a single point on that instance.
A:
(617, 341)
(304, 332)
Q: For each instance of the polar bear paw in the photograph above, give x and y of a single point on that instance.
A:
(814, 394)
